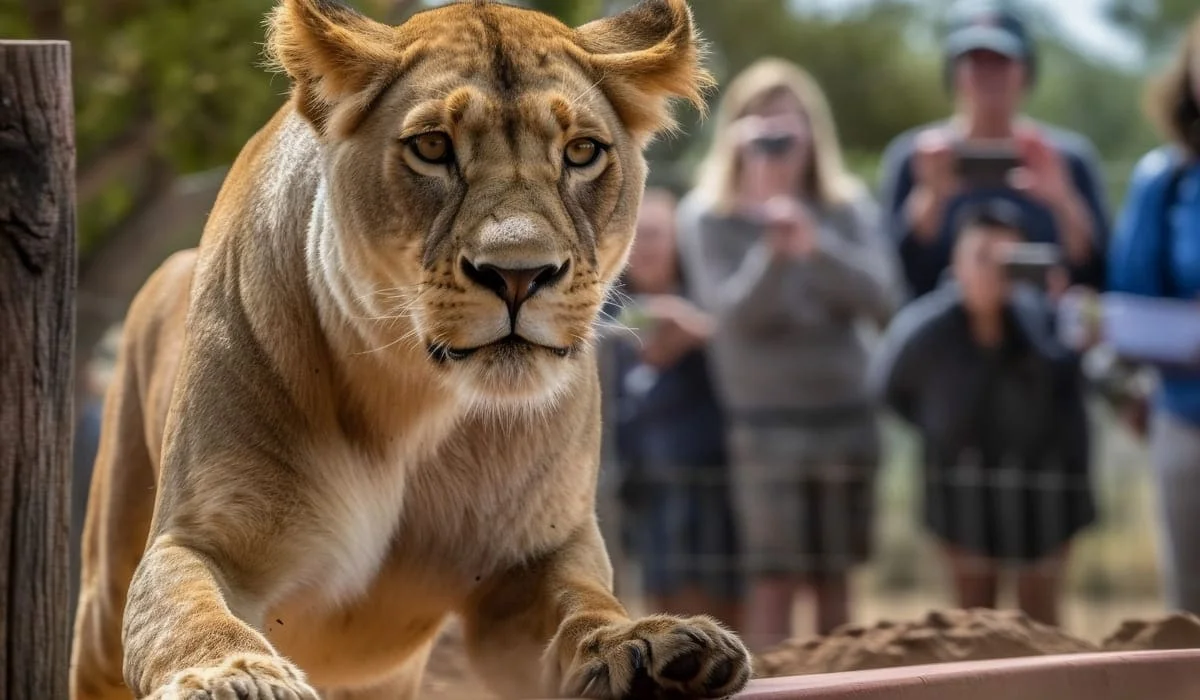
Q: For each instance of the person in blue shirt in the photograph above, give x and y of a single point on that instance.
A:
(991, 64)
(1156, 252)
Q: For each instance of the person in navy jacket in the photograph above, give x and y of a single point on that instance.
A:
(991, 65)
(1156, 252)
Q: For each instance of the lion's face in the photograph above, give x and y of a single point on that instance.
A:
(503, 199)
(485, 172)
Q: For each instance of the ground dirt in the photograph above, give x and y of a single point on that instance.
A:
(1177, 631)
(940, 636)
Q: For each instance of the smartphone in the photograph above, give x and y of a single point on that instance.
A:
(986, 163)
(1031, 262)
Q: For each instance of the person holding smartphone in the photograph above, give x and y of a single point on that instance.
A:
(987, 149)
(783, 247)
(977, 369)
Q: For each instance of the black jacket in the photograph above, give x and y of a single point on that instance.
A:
(1023, 400)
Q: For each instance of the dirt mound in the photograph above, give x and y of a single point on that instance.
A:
(942, 636)
(1175, 631)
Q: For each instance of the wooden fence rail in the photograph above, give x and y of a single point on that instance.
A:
(37, 333)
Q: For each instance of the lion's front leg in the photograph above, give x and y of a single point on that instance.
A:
(227, 540)
(183, 641)
(563, 606)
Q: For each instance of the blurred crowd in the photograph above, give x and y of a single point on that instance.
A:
(982, 292)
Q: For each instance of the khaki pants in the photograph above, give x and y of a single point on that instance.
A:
(1175, 451)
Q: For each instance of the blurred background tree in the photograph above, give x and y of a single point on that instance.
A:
(1156, 24)
(572, 12)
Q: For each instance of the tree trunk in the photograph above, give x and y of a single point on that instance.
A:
(37, 305)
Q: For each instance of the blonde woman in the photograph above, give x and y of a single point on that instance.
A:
(784, 247)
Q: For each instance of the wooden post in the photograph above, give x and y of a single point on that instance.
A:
(37, 328)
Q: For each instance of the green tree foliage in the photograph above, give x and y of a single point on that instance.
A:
(1157, 24)
(183, 77)
(186, 77)
(14, 22)
(878, 86)
(172, 67)
(571, 12)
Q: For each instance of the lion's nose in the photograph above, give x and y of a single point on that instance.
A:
(514, 285)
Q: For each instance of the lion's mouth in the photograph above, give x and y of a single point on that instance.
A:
(511, 342)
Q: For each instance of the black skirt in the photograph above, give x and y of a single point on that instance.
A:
(1011, 479)
(1016, 511)
(1004, 429)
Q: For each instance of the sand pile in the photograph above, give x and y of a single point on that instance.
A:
(942, 636)
(1176, 631)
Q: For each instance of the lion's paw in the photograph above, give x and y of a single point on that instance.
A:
(242, 677)
(659, 657)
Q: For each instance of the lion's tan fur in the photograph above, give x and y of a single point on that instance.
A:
(288, 485)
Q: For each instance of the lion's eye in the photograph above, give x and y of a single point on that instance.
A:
(433, 147)
(581, 153)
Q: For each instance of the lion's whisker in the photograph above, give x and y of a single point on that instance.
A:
(586, 91)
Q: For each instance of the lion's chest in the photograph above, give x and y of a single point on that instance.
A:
(469, 518)
(449, 520)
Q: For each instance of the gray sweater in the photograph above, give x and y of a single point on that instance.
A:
(789, 332)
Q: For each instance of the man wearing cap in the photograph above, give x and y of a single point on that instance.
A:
(991, 63)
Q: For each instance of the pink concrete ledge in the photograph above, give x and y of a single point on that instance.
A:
(1149, 675)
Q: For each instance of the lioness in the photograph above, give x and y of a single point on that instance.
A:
(369, 400)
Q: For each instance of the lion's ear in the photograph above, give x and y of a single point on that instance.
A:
(644, 56)
(337, 58)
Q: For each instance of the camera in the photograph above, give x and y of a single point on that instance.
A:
(1030, 262)
(773, 144)
(986, 163)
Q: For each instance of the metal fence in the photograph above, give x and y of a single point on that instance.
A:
(1111, 573)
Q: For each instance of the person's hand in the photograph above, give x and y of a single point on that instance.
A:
(790, 229)
(1080, 318)
(1134, 414)
(1044, 176)
(679, 327)
(1043, 173)
(933, 163)
(935, 182)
